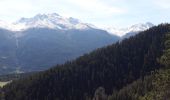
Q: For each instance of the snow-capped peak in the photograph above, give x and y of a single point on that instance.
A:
(134, 28)
(53, 21)
(140, 27)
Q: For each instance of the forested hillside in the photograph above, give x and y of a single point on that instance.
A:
(153, 87)
(112, 68)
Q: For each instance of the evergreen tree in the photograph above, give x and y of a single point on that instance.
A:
(165, 59)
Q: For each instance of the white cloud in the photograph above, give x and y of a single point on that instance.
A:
(65, 7)
(103, 12)
(165, 4)
(9, 9)
(96, 6)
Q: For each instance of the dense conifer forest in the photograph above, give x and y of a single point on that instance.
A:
(126, 70)
(153, 87)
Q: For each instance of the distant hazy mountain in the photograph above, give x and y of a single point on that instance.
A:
(8, 59)
(132, 30)
(33, 44)
(40, 49)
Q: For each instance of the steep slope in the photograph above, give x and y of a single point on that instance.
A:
(111, 67)
(8, 48)
(50, 47)
(153, 87)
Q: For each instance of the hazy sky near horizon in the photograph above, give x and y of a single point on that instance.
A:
(103, 13)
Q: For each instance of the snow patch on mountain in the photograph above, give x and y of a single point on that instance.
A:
(134, 28)
(52, 21)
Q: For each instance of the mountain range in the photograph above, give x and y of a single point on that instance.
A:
(40, 42)
(136, 68)
(57, 22)
(51, 21)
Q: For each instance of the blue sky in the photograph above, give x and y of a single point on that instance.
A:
(102, 13)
